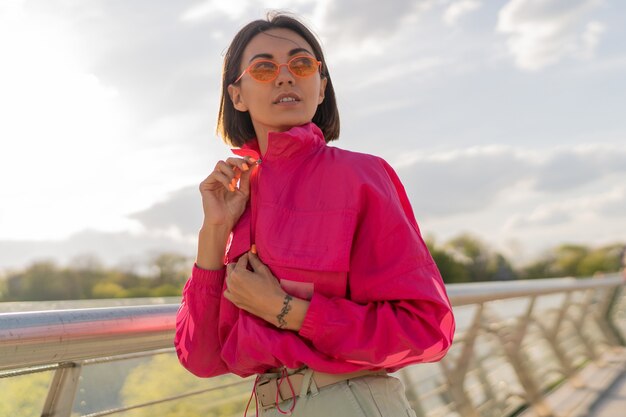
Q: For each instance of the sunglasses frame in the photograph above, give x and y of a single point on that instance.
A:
(286, 64)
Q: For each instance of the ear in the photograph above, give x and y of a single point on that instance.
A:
(323, 83)
(234, 92)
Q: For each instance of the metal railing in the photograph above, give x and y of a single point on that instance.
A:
(515, 341)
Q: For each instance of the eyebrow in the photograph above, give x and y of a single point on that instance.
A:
(290, 53)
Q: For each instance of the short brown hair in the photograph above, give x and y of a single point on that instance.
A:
(234, 126)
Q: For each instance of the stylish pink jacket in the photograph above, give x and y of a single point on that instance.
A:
(336, 228)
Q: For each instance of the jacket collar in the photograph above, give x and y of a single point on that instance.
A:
(299, 141)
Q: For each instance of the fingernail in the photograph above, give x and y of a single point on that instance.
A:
(231, 187)
(233, 182)
(245, 166)
(253, 249)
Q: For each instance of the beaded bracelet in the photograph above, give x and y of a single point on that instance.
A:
(286, 307)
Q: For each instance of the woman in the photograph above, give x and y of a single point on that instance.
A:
(311, 271)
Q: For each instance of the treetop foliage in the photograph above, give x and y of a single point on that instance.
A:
(464, 258)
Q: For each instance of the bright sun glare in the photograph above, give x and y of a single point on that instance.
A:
(59, 126)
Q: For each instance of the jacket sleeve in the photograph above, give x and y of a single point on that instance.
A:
(397, 311)
(196, 341)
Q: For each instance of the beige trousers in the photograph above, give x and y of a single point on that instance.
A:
(366, 396)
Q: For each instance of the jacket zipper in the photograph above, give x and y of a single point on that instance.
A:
(253, 203)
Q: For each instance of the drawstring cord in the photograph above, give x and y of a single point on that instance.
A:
(256, 400)
(283, 375)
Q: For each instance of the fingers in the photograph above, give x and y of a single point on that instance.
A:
(256, 263)
(214, 181)
(231, 269)
(227, 173)
(243, 261)
(232, 170)
(244, 182)
(242, 163)
(241, 264)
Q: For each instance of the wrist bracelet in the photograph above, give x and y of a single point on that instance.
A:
(286, 307)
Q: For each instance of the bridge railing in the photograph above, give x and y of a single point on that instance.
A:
(515, 342)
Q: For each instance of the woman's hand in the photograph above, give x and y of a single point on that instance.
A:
(222, 201)
(259, 293)
(255, 291)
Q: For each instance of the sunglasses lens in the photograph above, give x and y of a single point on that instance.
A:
(303, 66)
(264, 70)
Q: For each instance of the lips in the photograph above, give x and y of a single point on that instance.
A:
(287, 98)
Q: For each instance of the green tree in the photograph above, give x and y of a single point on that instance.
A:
(108, 289)
(171, 269)
(86, 278)
(537, 269)
(604, 259)
(478, 260)
(473, 254)
(44, 280)
(167, 290)
(576, 261)
(451, 270)
(567, 257)
(500, 269)
(3, 287)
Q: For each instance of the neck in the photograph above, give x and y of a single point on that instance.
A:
(262, 139)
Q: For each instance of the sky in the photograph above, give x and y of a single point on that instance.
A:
(504, 119)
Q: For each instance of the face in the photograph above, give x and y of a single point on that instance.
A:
(265, 100)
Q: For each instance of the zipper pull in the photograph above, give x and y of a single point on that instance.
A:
(254, 160)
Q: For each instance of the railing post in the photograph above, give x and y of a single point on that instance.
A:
(551, 335)
(605, 318)
(62, 391)
(511, 341)
(497, 409)
(579, 323)
(456, 375)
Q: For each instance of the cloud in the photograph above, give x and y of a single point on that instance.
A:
(462, 180)
(211, 9)
(180, 210)
(543, 32)
(449, 183)
(413, 68)
(579, 209)
(590, 38)
(459, 9)
(569, 168)
(367, 22)
(533, 189)
(614, 203)
(110, 248)
(444, 184)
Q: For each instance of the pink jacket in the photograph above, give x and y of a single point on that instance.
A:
(336, 228)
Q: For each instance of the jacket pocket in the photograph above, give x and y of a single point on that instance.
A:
(315, 240)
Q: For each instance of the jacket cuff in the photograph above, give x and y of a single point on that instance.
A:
(313, 316)
(208, 280)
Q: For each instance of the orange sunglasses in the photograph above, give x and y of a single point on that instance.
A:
(265, 70)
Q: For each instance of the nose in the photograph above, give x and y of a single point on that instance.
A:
(284, 75)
